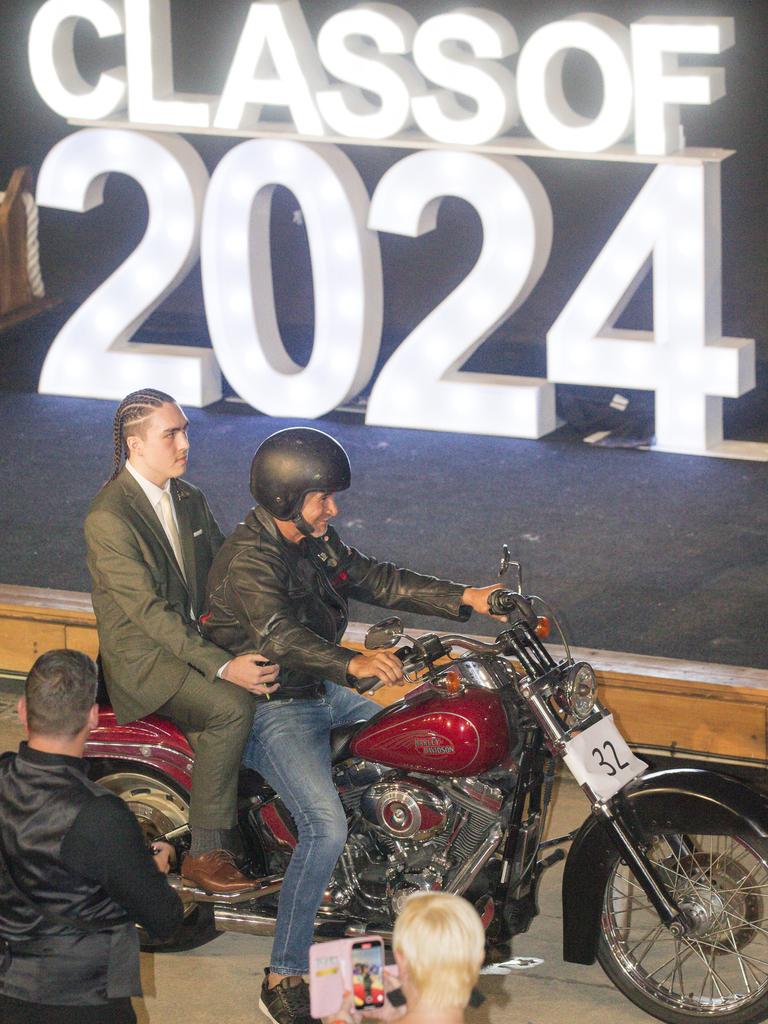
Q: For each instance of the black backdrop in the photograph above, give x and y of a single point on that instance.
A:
(649, 553)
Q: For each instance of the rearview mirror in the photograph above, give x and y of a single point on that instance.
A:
(384, 634)
(505, 564)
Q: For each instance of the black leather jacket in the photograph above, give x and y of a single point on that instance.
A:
(267, 594)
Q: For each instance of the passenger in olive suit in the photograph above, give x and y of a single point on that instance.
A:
(151, 539)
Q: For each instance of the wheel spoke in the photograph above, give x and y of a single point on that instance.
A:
(720, 948)
(725, 883)
(677, 961)
(648, 940)
(711, 974)
(747, 923)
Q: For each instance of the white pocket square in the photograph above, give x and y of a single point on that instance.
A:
(197, 533)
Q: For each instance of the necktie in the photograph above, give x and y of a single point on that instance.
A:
(169, 524)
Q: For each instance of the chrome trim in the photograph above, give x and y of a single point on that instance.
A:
(226, 920)
(379, 798)
(138, 752)
(479, 795)
(193, 894)
(471, 868)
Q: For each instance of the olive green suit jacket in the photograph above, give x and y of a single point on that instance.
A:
(148, 639)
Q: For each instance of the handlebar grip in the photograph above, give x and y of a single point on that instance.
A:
(366, 683)
(507, 602)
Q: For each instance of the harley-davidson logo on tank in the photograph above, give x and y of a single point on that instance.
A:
(465, 738)
(430, 743)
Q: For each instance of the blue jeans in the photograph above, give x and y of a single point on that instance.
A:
(289, 745)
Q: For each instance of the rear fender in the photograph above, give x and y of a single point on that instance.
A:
(657, 802)
(153, 742)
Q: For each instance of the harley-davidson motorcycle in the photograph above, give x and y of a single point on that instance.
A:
(665, 883)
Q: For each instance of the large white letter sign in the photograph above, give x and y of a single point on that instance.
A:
(52, 58)
(276, 64)
(675, 221)
(490, 85)
(660, 86)
(421, 385)
(237, 276)
(543, 103)
(149, 56)
(91, 356)
(378, 69)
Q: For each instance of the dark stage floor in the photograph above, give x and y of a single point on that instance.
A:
(648, 553)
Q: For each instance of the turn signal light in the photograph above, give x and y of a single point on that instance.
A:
(452, 681)
(543, 627)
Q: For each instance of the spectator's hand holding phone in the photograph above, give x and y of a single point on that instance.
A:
(389, 1012)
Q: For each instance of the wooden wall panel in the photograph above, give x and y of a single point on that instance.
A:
(83, 638)
(21, 641)
(702, 709)
(721, 728)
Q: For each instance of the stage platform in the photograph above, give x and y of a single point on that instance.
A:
(665, 708)
(658, 555)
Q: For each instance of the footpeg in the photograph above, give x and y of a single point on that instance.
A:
(191, 893)
(553, 858)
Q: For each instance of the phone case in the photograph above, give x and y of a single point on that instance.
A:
(328, 963)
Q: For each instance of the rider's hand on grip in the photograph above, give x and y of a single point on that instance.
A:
(513, 607)
(384, 665)
(479, 600)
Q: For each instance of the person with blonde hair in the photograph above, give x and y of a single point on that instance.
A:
(439, 946)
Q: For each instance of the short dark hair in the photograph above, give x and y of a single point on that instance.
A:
(59, 692)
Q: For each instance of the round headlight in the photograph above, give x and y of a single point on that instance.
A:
(581, 689)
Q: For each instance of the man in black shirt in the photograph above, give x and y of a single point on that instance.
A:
(76, 872)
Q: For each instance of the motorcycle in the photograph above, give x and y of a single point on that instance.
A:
(665, 883)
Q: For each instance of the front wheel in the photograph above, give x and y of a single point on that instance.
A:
(719, 971)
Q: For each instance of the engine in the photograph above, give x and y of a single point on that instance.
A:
(407, 834)
(405, 809)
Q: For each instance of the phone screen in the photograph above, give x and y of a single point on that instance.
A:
(368, 973)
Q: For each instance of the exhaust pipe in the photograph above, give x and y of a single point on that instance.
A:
(192, 894)
(226, 920)
(251, 923)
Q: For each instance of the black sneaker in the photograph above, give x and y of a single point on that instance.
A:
(286, 1003)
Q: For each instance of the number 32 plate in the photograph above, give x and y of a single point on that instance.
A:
(601, 758)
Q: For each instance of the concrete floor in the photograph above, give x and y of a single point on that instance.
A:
(220, 981)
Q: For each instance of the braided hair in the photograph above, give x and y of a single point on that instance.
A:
(133, 408)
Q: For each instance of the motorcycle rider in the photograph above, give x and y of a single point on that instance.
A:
(280, 585)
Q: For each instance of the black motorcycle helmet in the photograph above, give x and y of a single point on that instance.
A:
(290, 464)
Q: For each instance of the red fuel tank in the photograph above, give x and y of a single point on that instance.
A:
(466, 734)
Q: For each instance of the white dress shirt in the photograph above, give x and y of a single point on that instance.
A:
(154, 496)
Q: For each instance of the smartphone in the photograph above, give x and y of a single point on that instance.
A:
(344, 965)
(367, 957)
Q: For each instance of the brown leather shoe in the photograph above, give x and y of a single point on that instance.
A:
(216, 872)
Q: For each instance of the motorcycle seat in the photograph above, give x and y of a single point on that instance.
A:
(341, 737)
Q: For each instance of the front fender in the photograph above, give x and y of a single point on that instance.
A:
(671, 800)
